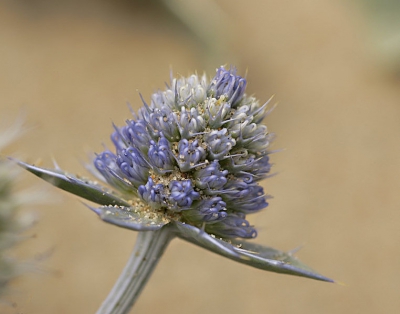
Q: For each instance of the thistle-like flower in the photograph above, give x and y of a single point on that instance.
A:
(188, 165)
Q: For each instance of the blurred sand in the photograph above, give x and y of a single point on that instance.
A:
(71, 68)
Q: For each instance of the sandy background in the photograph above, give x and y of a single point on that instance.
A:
(71, 68)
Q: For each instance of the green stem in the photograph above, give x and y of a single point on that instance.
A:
(149, 247)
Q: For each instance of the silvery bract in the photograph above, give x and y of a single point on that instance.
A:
(189, 163)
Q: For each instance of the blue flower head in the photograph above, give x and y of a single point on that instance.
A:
(190, 162)
(194, 172)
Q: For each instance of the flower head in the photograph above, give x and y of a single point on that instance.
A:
(190, 162)
(211, 131)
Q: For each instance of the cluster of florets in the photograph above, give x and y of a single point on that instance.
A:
(195, 153)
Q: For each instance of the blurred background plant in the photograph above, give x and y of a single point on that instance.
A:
(74, 64)
(383, 19)
(13, 221)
